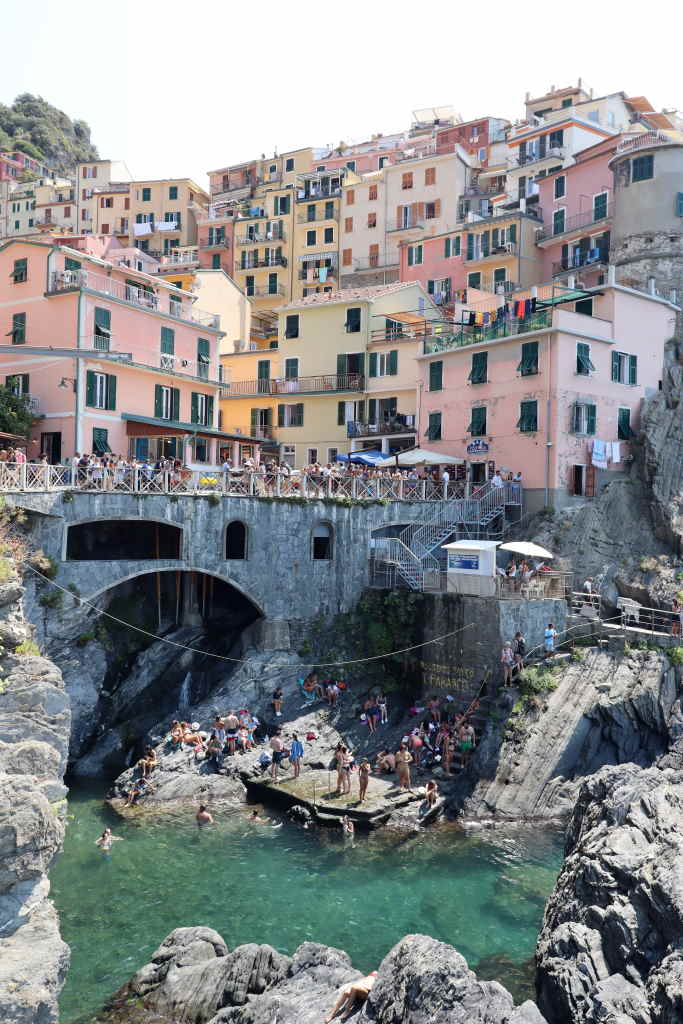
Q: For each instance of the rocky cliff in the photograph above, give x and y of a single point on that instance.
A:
(605, 710)
(34, 734)
(194, 977)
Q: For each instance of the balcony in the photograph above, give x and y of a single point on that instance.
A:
(303, 196)
(120, 350)
(176, 257)
(581, 260)
(574, 223)
(296, 386)
(382, 261)
(645, 140)
(500, 252)
(261, 236)
(142, 297)
(215, 243)
(396, 425)
(409, 225)
(264, 292)
(507, 328)
(278, 261)
(537, 156)
(303, 218)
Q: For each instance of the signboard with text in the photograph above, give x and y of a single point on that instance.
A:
(465, 560)
(478, 447)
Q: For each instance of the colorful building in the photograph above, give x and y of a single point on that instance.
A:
(536, 394)
(113, 359)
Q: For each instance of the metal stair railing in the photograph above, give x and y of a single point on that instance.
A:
(410, 567)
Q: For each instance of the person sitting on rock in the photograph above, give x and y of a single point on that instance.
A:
(431, 793)
(277, 702)
(244, 741)
(434, 706)
(137, 789)
(351, 997)
(386, 762)
(311, 685)
(176, 735)
(149, 762)
(214, 751)
(331, 692)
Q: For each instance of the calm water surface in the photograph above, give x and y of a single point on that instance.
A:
(253, 883)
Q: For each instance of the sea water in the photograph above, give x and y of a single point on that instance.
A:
(483, 893)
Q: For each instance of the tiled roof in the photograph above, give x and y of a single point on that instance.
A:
(351, 295)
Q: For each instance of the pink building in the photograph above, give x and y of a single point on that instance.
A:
(437, 263)
(113, 359)
(577, 206)
(474, 136)
(556, 395)
(216, 243)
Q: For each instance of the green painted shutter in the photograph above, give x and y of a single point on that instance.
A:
(436, 375)
(18, 328)
(194, 408)
(175, 404)
(576, 418)
(528, 364)
(280, 415)
(434, 428)
(470, 246)
(633, 369)
(512, 233)
(103, 319)
(591, 418)
(341, 414)
(392, 362)
(479, 372)
(90, 388)
(25, 389)
(167, 341)
(495, 236)
(447, 248)
(477, 426)
(255, 416)
(457, 245)
(158, 401)
(584, 365)
(624, 431)
(485, 243)
(410, 256)
(209, 410)
(615, 366)
(679, 204)
(341, 364)
(299, 414)
(111, 391)
(71, 264)
(372, 372)
(372, 410)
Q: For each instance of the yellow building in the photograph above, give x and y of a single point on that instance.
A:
(262, 242)
(316, 233)
(338, 376)
(500, 252)
(163, 214)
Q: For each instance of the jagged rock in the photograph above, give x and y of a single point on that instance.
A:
(613, 927)
(605, 710)
(419, 980)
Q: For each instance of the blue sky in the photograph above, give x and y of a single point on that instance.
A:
(176, 89)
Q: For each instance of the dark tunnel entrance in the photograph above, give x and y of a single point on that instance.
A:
(123, 540)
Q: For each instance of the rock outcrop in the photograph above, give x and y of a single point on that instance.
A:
(193, 977)
(611, 946)
(605, 710)
(34, 735)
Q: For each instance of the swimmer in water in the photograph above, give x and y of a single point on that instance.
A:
(203, 817)
(254, 816)
(106, 839)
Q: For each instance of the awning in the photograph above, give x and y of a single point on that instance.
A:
(419, 457)
(363, 458)
(147, 426)
(523, 547)
(568, 296)
(402, 318)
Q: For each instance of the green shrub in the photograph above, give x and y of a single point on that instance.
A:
(675, 655)
(44, 564)
(577, 655)
(51, 600)
(27, 647)
(84, 639)
(535, 680)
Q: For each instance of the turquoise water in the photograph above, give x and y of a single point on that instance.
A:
(254, 883)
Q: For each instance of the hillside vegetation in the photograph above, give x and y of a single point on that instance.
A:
(34, 126)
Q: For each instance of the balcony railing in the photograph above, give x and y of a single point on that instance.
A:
(643, 141)
(311, 197)
(509, 327)
(303, 218)
(73, 280)
(379, 262)
(409, 226)
(123, 351)
(579, 260)
(175, 257)
(295, 386)
(397, 425)
(574, 223)
(277, 261)
(215, 243)
(263, 292)
(551, 153)
(331, 274)
(262, 236)
(497, 252)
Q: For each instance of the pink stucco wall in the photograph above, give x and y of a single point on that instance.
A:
(434, 265)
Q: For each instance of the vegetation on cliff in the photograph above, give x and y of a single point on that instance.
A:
(35, 127)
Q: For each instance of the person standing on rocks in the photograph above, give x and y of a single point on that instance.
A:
(277, 702)
(363, 778)
(277, 747)
(403, 761)
(232, 724)
(519, 650)
(507, 660)
(296, 754)
(549, 639)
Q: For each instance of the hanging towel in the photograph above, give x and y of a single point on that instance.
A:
(478, 319)
(520, 309)
(323, 274)
(487, 317)
(533, 305)
(599, 457)
(616, 451)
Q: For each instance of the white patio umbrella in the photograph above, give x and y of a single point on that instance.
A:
(523, 547)
(419, 457)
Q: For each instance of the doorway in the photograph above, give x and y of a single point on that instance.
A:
(51, 445)
(478, 472)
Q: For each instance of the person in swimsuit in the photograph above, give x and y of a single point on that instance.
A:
(278, 748)
(351, 996)
(296, 754)
(467, 742)
(232, 724)
(348, 828)
(363, 778)
(203, 817)
(431, 793)
(403, 762)
(346, 761)
(106, 839)
(507, 660)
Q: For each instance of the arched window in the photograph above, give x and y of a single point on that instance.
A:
(322, 541)
(236, 540)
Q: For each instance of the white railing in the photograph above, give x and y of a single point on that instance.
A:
(122, 351)
(642, 141)
(33, 477)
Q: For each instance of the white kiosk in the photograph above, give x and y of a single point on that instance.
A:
(472, 567)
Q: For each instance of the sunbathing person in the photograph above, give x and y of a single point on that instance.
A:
(351, 997)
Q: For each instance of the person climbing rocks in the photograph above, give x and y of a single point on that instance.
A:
(277, 702)
(549, 635)
(351, 996)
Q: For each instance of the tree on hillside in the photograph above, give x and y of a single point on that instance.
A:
(34, 126)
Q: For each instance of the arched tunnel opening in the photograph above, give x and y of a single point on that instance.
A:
(148, 681)
(123, 540)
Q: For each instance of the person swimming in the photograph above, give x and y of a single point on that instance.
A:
(106, 839)
(203, 817)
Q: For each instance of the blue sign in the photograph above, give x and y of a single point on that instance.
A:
(457, 561)
(477, 447)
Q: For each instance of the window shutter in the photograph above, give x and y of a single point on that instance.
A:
(392, 362)
(430, 287)
(280, 415)
(436, 375)
(512, 233)
(175, 404)
(399, 216)
(624, 431)
(341, 413)
(372, 410)
(90, 388)
(434, 428)
(194, 408)
(615, 366)
(419, 212)
(479, 371)
(633, 369)
(576, 418)
(25, 389)
(591, 417)
(372, 372)
(679, 204)
(437, 207)
(456, 241)
(470, 246)
(111, 391)
(167, 341)
(341, 364)
(495, 235)
(209, 410)
(446, 248)
(254, 420)
(411, 256)
(158, 400)
(485, 243)
(299, 414)
(18, 328)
